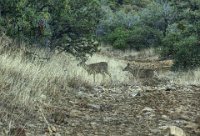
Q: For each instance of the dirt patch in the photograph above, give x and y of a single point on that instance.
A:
(113, 112)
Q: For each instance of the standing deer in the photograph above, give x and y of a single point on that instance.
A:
(140, 72)
(96, 68)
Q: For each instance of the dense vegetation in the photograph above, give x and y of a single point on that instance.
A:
(52, 23)
(173, 26)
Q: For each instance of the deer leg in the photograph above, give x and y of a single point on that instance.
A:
(110, 77)
(94, 77)
(103, 74)
(107, 73)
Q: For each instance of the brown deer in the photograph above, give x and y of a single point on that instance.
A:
(139, 72)
(96, 68)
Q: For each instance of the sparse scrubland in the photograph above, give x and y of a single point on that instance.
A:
(39, 95)
(99, 68)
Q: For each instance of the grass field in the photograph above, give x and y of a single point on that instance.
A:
(28, 80)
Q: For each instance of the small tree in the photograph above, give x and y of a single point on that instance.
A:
(182, 38)
(52, 22)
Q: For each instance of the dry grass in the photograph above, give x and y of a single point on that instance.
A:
(33, 89)
(188, 78)
(24, 81)
(129, 54)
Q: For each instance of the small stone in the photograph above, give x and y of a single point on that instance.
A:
(53, 129)
(173, 131)
(48, 130)
(147, 109)
(94, 106)
(165, 117)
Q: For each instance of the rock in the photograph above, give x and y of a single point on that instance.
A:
(173, 131)
(147, 109)
(53, 129)
(133, 94)
(48, 130)
(148, 112)
(165, 117)
(94, 106)
(149, 89)
(75, 113)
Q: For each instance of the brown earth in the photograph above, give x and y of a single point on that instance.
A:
(123, 110)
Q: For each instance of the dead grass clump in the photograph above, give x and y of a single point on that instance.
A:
(150, 53)
(77, 83)
(188, 78)
(25, 82)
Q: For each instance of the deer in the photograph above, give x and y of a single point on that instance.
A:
(140, 72)
(96, 68)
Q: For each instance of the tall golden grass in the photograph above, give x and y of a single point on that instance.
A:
(25, 80)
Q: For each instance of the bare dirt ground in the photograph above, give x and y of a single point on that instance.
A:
(138, 109)
(110, 111)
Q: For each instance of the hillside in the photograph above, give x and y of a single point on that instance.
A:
(57, 97)
(99, 68)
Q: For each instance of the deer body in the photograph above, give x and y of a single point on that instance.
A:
(96, 68)
(139, 72)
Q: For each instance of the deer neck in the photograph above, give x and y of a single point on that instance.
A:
(86, 67)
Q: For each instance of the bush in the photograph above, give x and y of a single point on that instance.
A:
(169, 48)
(137, 37)
(54, 23)
(182, 45)
(141, 37)
(118, 38)
(188, 54)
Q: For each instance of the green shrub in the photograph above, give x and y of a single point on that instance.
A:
(143, 37)
(118, 38)
(53, 23)
(182, 45)
(188, 54)
(169, 47)
(137, 37)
